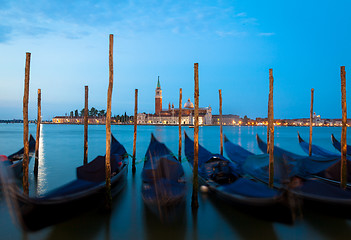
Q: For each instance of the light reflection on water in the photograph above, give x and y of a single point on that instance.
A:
(239, 136)
(42, 180)
(61, 151)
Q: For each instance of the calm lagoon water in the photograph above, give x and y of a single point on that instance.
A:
(61, 151)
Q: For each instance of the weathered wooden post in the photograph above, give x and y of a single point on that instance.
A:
(220, 119)
(135, 129)
(311, 123)
(37, 137)
(194, 201)
(108, 128)
(343, 173)
(86, 110)
(180, 125)
(25, 126)
(268, 116)
(271, 130)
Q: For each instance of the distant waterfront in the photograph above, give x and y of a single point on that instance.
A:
(302, 122)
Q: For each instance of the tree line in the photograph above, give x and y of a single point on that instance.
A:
(123, 118)
(93, 112)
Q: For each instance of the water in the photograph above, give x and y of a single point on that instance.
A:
(61, 151)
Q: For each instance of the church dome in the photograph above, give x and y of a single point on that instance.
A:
(188, 104)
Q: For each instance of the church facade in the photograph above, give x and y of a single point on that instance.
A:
(170, 115)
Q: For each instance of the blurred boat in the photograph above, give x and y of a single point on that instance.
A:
(225, 181)
(15, 160)
(316, 150)
(337, 145)
(163, 186)
(78, 196)
(321, 196)
(323, 164)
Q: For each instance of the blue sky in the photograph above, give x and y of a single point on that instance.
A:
(234, 42)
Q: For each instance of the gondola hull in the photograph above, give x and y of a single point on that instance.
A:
(319, 196)
(337, 145)
(160, 204)
(245, 194)
(331, 206)
(325, 198)
(17, 168)
(17, 158)
(316, 150)
(339, 209)
(82, 194)
(323, 164)
(38, 213)
(163, 186)
(268, 209)
(166, 209)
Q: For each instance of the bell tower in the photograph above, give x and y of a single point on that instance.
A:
(158, 98)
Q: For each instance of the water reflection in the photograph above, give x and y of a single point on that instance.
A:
(108, 227)
(246, 226)
(239, 136)
(42, 178)
(167, 214)
(86, 226)
(251, 146)
(94, 224)
(319, 222)
(159, 133)
(194, 213)
(251, 130)
(172, 228)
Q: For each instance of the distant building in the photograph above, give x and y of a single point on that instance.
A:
(158, 97)
(228, 119)
(79, 120)
(171, 115)
(317, 120)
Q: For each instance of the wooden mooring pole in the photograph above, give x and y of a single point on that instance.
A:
(194, 200)
(108, 128)
(220, 119)
(311, 123)
(271, 130)
(86, 110)
(135, 129)
(37, 137)
(25, 126)
(269, 113)
(180, 125)
(343, 173)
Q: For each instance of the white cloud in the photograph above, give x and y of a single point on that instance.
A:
(249, 21)
(266, 34)
(76, 19)
(231, 34)
(242, 14)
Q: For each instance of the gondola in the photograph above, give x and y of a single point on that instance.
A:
(15, 160)
(163, 183)
(337, 145)
(75, 197)
(318, 195)
(316, 150)
(332, 173)
(282, 152)
(325, 167)
(224, 180)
